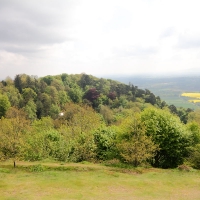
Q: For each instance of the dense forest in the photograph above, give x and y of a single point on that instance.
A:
(74, 118)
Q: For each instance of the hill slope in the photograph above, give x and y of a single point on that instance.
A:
(168, 88)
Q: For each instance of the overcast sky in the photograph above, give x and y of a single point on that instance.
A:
(99, 37)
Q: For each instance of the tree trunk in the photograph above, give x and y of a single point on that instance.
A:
(14, 164)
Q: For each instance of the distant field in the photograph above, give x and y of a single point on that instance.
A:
(193, 97)
(96, 182)
(168, 88)
(191, 94)
(194, 101)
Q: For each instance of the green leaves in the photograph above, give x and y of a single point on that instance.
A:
(4, 105)
(12, 134)
(169, 133)
(105, 140)
(134, 146)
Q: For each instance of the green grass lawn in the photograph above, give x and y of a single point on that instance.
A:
(93, 181)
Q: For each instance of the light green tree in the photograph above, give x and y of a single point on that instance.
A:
(12, 134)
(76, 94)
(30, 109)
(4, 105)
(54, 111)
(194, 148)
(134, 146)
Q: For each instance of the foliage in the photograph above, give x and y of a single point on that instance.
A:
(194, 158)
(13, 112)
(30, 109)
(91, 94)
(4, 105)
(54, 111)
(84, 148)
(134, 145)
(194, 148)
(194, 129)
(28, 94)
(105, 140)
(37, 168)
(81, 117)
(61, 89)
(46, 142)
(169, 133)
(76, 95)
(107, 114)
(12, 134)
(194, 116)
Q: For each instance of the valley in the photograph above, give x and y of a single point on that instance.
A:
(169, 89)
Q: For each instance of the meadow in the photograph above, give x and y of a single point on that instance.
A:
(95, 181)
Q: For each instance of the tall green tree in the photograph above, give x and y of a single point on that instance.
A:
(4, 105)
(54, 111)
(194, 149)
(63, 98)
(169, 134)
(30, 109)
(14, 96)
(105, 140)
(134, 146)
(28, 94)
(76, 94)
(12, 134)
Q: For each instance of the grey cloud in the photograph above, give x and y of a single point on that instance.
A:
(29, 24)
(21, 49)
(25, 32)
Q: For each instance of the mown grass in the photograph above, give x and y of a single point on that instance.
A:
(94, 181)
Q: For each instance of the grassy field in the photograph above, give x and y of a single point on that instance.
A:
(94, 181)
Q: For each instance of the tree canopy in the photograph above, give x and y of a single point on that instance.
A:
(81, 117)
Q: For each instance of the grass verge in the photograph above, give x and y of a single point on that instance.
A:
(94, 181)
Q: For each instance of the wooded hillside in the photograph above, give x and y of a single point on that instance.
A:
(81, 117)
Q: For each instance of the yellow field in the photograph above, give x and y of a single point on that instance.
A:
(194, 100)
(191, 94)
(194, 95)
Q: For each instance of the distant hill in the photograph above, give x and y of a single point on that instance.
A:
(168, 88)
(47, 96)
